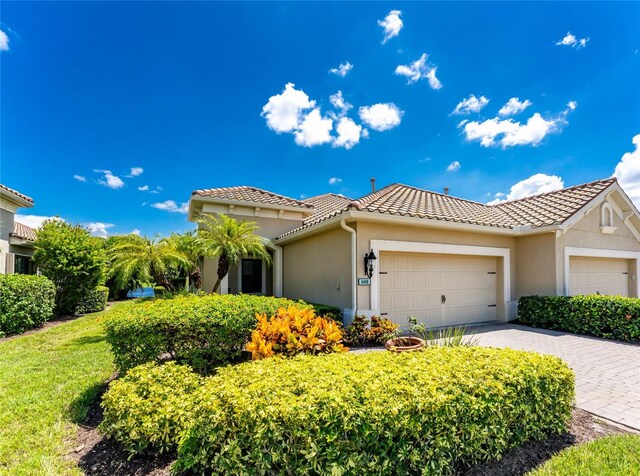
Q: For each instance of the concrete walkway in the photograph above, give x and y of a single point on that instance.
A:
(607, 372)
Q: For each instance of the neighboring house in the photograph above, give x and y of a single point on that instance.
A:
(16, 239)
(442, 259)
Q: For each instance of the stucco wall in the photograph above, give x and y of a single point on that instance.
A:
(536, 265)
(318, 269)
(368, 231)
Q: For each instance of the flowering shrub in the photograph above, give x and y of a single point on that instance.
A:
(295, 331)
(610, 317)
(362, 332)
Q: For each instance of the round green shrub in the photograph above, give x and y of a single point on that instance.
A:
(201, 331)
(94, 301)
(151, 406)
(26, 302)
(609, 456)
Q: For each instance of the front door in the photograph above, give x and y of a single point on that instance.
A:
(251, 281)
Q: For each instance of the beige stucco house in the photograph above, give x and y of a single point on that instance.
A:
(442, 259)
(16, 239)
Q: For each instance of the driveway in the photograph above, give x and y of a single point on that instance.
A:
(607, 372)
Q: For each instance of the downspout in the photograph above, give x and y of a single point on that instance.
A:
(354, 273)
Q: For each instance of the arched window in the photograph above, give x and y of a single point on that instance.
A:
(606, 215)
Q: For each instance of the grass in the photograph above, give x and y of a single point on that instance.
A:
(610, 456)
(47, 380)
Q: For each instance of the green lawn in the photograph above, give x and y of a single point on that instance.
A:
(609, 456)
(46, 379)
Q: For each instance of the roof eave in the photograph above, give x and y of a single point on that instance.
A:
(17, 199)
(243, 203)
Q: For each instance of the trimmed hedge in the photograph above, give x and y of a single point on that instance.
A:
(201, 331)
(432, 412)
(610, 456)
(26, 302)
(324, 310)
(94, 301)
(610, 317)
(163, 407)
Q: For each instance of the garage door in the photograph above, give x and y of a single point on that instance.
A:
(439, 290)
(599, 275)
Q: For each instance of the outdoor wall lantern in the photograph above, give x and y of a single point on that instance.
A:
(369, 262)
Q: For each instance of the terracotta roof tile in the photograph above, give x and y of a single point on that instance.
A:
(23, 231)
(397, 199)
(15, 192)
(250, 194)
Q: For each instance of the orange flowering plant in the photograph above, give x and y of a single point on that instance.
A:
(292, 331)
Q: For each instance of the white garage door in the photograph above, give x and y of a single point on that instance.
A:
(599, 275)
(439, 290)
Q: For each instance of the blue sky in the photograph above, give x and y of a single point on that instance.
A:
(194, 95)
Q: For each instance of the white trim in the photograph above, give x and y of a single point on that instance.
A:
(350, 314)
(570, 251)
(439, 248)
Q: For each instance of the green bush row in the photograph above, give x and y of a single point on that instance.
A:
(94, 301)
(201, 331)
(25, 302)
(610, 317)
(437, 411)
(324, 310)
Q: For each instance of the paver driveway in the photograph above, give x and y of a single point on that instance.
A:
(607, 372)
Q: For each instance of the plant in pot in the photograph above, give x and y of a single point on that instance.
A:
(410, 342)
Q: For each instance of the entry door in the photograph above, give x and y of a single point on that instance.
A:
(439, 290)
(251, 280)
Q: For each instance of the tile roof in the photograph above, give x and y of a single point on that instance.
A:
(552, 208)
(23, 231)
(250, 194)
(15, 192)
(397, 199)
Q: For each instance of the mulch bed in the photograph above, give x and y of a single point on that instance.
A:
(98, 456)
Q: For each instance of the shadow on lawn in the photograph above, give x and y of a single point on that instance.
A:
(99, 456)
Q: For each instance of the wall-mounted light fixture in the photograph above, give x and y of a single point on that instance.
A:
(369, 262)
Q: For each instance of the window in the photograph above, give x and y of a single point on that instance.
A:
(251, 276)
(24, 265)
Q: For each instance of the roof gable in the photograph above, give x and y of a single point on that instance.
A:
(23, 231)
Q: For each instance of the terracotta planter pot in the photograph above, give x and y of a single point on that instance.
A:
(404, 344)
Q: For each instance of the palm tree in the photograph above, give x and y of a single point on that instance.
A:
(189, 244)
(147, 260)
(229, 240)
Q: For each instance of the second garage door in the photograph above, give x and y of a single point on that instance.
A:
(439, 290)
(607, 276)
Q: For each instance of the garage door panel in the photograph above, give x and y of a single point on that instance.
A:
(414, 283)
(607, 276)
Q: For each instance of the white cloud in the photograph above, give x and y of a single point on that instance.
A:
(628, 172)
(508, 133)
(426, 159)
(534, 185)
(135, 231)
(314, 130)
(572, 105)
(171, 206)
(144, 188)
(571, 40)
(99, 229)
(434, 82)
(334, 180)
(4, 41)
(338, 101)
(348, 133)
(80, 178)
(284, 111)
(110, 180)
(342, 70)
(470, 104)
(454, 166)
(381, 116)
(33, 221)
(135, 171)
(392, 24)
(514, 106)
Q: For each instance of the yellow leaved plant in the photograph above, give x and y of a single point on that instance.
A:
(294, 331)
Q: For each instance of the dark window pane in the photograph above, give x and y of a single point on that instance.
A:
(24, 265)
(251, 276)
